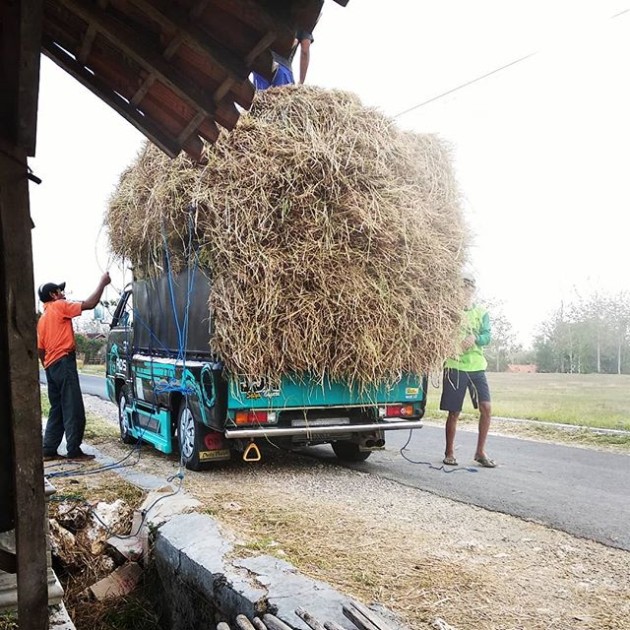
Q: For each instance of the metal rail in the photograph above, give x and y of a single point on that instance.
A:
(320, 430)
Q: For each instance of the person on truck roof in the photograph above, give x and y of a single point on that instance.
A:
(282, 70)
(56, 350)
(468, 372)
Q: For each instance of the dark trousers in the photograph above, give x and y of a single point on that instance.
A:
(67, 413)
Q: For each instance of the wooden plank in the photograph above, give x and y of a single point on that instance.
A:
(22, 406)
(143, 53)
(363, 617)
(20, 32)
(168, 14)
(86, 44)
(191, 128)
(244, 623)
(308, 619)
(263, 44)
(28, 91)
(371, 615)
(273, 623)
(258, 624)
(145, 124)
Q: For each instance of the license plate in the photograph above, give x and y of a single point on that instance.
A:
(319, 422)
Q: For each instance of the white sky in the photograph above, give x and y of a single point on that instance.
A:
(542, 149)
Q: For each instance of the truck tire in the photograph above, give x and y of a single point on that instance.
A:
(190, 437)
(123, 418)
(349, 452)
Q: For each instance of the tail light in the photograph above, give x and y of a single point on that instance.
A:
(254, 417)
(399, 411)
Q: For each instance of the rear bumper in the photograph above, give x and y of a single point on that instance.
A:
(270, 431)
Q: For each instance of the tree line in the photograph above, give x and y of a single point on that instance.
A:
(588, 335)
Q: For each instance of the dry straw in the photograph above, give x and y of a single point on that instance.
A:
(334, 240)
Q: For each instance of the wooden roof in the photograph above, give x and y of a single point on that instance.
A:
(176, 69)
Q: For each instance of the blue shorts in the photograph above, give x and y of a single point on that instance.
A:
(454, 386)
(282, 76)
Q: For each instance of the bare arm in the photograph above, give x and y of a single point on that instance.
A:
(305, 57)
(41, 353)
(93, 300)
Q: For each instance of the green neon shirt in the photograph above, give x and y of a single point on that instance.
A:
(475, 321)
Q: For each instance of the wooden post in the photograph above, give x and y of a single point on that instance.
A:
(20, 404)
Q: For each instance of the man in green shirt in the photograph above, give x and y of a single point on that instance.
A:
(468, 372)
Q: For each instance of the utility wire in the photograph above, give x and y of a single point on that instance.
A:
(463, 85)
(483, 76)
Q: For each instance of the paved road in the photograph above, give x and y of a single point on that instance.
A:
(91, 385)
(580, 491)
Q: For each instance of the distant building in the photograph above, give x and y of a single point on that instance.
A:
(522, 368)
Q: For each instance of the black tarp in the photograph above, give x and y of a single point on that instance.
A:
(161, 307)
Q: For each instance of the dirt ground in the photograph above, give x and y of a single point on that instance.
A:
(431, 560)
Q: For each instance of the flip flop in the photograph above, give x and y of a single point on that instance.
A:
(449, 461)
(486, 462)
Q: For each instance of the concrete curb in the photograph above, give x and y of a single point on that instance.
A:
(203, 582)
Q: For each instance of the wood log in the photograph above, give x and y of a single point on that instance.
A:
(258, 624)
(244, 623)
(363, 617)
(223, 626)
(273, 623)
(309, 619)
(333, 625)
(371, 615)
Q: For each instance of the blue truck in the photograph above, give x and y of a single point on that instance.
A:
(173, 393)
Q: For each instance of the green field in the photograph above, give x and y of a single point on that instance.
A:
(593, 400)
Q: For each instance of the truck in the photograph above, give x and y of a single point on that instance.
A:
(173, 392)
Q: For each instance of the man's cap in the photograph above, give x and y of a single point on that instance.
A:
(469, 279)
(50, 287)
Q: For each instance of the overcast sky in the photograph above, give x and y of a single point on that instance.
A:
(541, 149)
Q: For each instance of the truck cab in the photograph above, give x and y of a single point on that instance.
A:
(172, 392)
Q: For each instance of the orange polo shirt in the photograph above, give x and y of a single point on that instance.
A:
(54, 330)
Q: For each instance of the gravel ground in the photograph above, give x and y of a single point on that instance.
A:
(425, 557)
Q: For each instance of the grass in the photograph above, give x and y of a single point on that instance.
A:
(589, 400)
(96, 370)
(8, 621)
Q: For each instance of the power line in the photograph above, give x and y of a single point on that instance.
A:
(483, 76)
(612, 17)
(463, 85)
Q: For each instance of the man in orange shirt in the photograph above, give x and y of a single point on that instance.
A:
(56, 349)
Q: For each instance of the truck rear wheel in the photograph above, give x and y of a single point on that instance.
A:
(190, 436)
(349, 452)
(123, 418)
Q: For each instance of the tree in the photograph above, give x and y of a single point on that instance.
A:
(503, 341)
(588, 335)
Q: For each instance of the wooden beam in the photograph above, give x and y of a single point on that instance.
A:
(20, 32)
(263, 44)
(144, 124)
(21, 375)
(191, 128)
(167, 14)
(86, 44)
(143, 53)
(170, 50)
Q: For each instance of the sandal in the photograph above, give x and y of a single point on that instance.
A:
(449, 460)
(485, 462)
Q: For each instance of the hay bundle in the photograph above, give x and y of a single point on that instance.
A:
(334, 240)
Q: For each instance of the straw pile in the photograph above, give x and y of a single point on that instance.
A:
(334, 239)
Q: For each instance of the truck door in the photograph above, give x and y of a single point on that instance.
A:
(120, 346)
